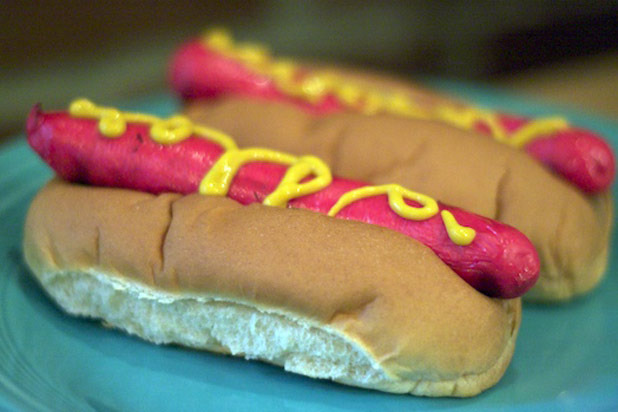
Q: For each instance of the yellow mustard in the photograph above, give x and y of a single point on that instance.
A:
(112, 123)
(314, 87)
(461, 235)
(396, 194)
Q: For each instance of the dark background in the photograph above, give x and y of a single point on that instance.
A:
(564, 51)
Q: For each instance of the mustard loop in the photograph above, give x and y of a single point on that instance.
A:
(291, 187)
(171, 130)
(219, 178)
(111, 123)
(396, 193)
(460, 235)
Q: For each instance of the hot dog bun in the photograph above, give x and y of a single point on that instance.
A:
(569, 228)
(327, 298)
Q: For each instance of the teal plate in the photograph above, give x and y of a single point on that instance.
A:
(566, 356)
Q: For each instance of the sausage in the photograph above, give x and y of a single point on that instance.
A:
(499, 261)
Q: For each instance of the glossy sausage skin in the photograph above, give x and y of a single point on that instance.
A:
(500, 262)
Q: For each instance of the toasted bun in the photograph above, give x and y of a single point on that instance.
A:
(323, 297)
(569, 228)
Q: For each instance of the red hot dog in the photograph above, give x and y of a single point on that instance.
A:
(102, 146)
(214, 66)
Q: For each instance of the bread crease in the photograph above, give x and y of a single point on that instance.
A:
(457, 167)
(326, 298)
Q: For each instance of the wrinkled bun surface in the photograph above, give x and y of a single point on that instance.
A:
(323, 297)
(569, 229)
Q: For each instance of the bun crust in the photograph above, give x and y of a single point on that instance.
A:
(336, 299)
(569, 228)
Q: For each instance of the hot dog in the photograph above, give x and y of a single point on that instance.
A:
(155, 155)
(178, 267)
(215, 66)
(569, 227)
